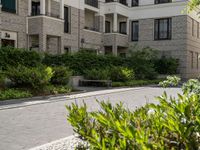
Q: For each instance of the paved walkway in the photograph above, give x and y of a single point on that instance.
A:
(30, 124)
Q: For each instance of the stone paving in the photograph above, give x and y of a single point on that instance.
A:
(27, 126)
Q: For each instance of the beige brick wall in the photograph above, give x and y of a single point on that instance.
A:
(176, 47)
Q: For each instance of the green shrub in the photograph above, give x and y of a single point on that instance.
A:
(61, 75)
(14, 94)
(13, 57)
(2, 80)
(166, 65)
(35, 78)
(121, 74)
(97, 74)
(170, 81)
(172, 124)
(142, 62)
(59, 89)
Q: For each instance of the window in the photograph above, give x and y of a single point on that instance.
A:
(162, 1)
(35, 8)
(67, 20)
(107, 27)
(135, 31)
(192, 59)
(67, 50)
(162, 29)
(192, 27)
(197, 59)
(197, 29)
(122, 27)
(9, 6)
(135, 3)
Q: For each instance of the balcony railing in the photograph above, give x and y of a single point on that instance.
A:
(124, 2)
(47, 14)
(93, 3)
(91, 28)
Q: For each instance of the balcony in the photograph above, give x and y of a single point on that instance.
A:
(93, 3)
(123, 2)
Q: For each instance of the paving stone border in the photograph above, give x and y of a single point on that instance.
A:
(68, 143)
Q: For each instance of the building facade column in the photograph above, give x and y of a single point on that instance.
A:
(42, 7)
(29, 7)
(127, 26)
(61, 9)
(42, 42)
(115, 27)
(49, 7)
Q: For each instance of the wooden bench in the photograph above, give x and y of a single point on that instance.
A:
(96, 83)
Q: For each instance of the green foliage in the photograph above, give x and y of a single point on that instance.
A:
(61, 75)
(170, 81)
(97, 74)
(59, 89)
(166, 65)
(193, 5)
(13, 94)
(35, 78)
(121, 74)
(191, 86)
(2, 79)
(172, 124)
(142, 62)
(13, 57)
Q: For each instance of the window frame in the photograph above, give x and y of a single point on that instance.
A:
(120, 27)
(10, 10)
(157, 29)
(132, 37)
(133, 4)
(68, 22)
(160, 2)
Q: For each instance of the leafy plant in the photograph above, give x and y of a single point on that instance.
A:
(61, 75)
(97, 74)
(14, 94)
(36, 77)
(172, 124)
(170, 81)
(121, 74)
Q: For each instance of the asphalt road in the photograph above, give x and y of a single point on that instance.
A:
(31, 124)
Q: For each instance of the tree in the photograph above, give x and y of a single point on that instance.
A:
(192, 4)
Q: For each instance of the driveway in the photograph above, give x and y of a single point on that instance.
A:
(30, 124)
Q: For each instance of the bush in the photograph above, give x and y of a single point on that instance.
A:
(61, 75)
(121, 74)
(14, 94)
(2, 80)
(166, 65)
(172, 124)
(35, 78)
(57, 89)
(13, 57)
(97, 74)
(142, 62)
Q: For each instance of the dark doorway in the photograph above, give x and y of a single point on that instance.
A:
(5, 43)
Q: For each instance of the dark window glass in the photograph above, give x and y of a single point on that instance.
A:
(122, 27)
(107, 27)
(162, 1)
(9, 6)
(35, 8)
(135, 3)
(67, 20)
(162, 29)
(135, 31)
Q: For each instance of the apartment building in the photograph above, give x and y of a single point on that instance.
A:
(106, 26)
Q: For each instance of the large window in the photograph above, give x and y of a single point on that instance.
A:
(9, 6)
(162, 1)
(107, 27)
(67, 20)
(135, 31)
(35, 8)
(122, 27)
(135, 3)
(163, 29)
